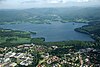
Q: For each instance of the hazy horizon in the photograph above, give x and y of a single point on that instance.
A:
(24, 4)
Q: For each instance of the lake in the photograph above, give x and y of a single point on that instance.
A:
(56, 31)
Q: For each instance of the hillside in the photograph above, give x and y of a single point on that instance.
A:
(44, 15)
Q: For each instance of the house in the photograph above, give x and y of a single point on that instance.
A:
(54, 47)
(1, 55)
(18, 55)
(25, 63)
(1, 60)
(9, 54)
(56, 65)
(7, 60)
(27, 45)
(13, 65)
(1, 49)
(45, 55)
(52, 59)
(20, 46)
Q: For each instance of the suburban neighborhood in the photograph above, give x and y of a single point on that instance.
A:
(32, 55)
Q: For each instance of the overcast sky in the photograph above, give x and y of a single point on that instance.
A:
(21, 4)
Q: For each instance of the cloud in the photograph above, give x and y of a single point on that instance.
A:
(46, 3)
(3, 0)
(29, 1)
(34, 1)
(82, 0)
(53, 1)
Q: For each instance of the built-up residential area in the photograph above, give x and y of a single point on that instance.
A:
(32, 55)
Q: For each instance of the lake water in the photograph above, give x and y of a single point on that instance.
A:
(56, 31)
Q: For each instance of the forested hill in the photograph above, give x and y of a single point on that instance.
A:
(68, 14)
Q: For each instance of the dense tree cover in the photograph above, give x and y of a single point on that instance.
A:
(12, 33)
(13, 37)
(93, 29)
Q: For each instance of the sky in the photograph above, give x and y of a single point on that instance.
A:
(23, 4)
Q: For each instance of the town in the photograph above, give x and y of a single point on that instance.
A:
(32, 55)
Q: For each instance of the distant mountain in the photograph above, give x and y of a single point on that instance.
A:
(72, 13)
